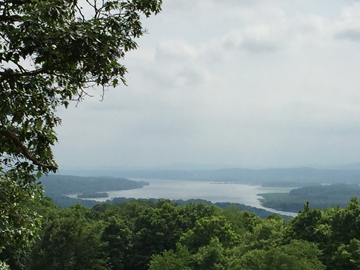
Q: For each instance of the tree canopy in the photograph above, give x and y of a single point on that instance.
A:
(53, 52)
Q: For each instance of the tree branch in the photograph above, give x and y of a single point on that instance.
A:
(25, 151)
(8, 74)
(13, 18)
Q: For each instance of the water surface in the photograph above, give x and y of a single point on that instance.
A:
(211, 191)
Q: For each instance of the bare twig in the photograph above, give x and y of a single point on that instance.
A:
(80, 12)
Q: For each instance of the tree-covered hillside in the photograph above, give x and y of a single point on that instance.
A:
(69, 184)
(318, 196)
(146, 235)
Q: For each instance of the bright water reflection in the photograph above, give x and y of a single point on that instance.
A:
(214, 192)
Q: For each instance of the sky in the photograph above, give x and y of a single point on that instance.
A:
(233, 83)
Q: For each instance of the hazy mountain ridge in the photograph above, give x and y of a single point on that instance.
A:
(301, 176)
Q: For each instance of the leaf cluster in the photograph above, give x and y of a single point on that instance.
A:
(52, 52)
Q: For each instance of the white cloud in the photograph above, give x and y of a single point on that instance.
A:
(350, 16)
(239, 82)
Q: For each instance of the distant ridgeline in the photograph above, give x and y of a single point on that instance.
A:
(317, 196)
(67, 184)
(287, 177)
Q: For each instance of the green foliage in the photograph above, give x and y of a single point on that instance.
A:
(266, 235)
(70, 242)
(347, 256)
(298, 255)
(241, 221)
(304, 225)
(206, 229)
(145, 235)
(51, 53)
(117, 236)
(160, 228)
(170, 260)
(4, 266)
(194, 236)
(334, 230)
(263, 249)
(211, 256)
(18, 223)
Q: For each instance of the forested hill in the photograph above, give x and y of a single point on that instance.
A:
(296, 177)
(143, 235)
(68, 184)
(318, 196)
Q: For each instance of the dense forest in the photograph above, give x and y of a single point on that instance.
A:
(319, 197)
(163, 235)
(65, 202)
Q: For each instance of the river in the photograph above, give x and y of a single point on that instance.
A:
(211, 191)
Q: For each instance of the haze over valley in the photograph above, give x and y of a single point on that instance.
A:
(268, 84)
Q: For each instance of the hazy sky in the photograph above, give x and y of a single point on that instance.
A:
(267, 83)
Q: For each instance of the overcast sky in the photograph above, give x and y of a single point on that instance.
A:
(246, 83)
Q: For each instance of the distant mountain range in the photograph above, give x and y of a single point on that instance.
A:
(349, 166)
(349, 173)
